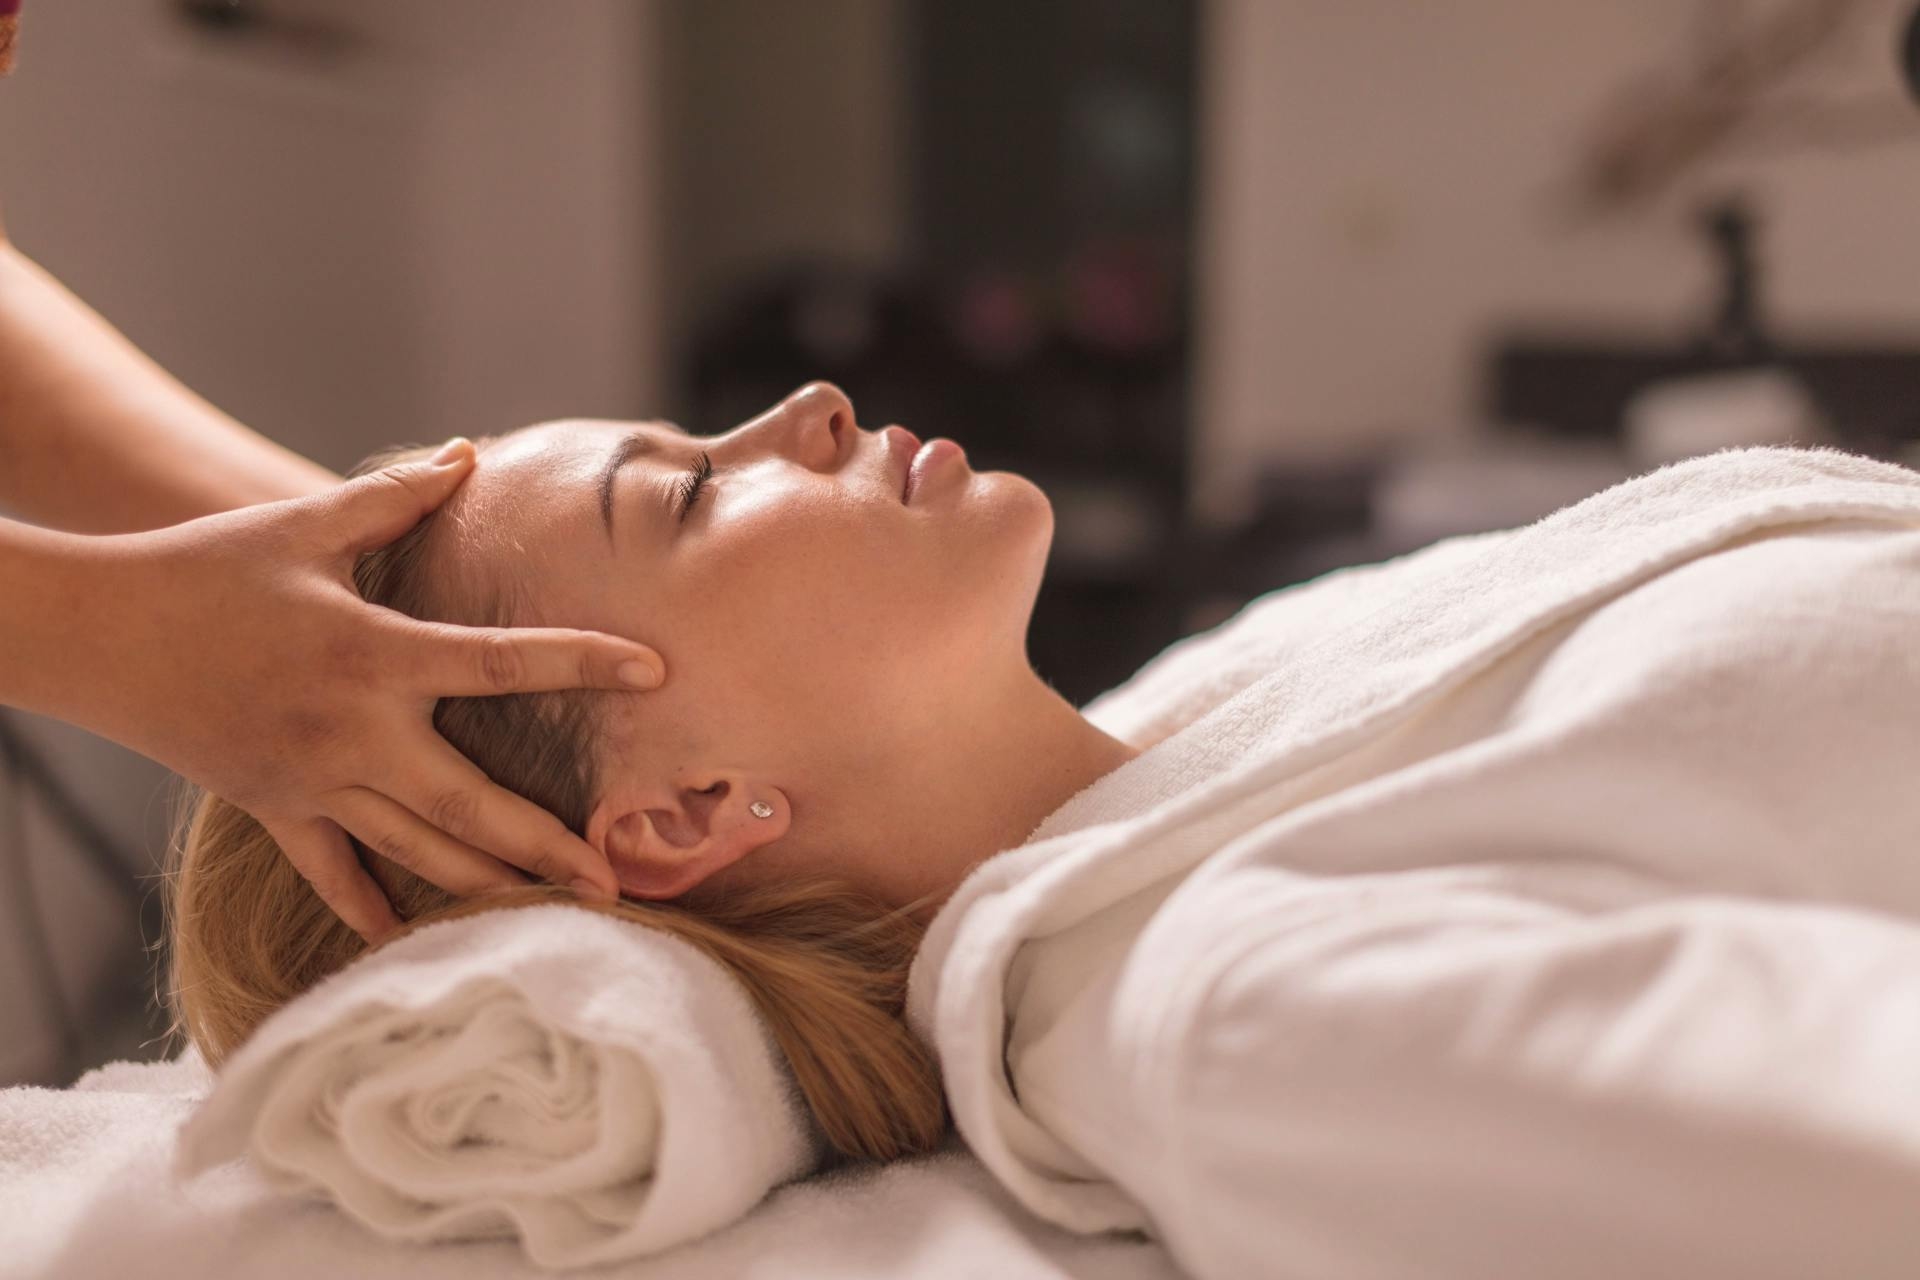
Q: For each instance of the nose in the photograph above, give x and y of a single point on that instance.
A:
(821, 400)
(816, 423)
(813, 425)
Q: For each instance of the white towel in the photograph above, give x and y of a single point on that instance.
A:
(593, 1086)
(1543, 902)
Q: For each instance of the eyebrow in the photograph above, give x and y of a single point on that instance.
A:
(633, 445)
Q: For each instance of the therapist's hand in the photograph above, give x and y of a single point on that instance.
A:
(253, 667)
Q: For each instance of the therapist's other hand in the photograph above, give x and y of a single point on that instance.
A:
(255, 668)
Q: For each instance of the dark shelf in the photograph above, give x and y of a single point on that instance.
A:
(1578, 384)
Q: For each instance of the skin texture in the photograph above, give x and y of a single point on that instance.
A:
(856, 663)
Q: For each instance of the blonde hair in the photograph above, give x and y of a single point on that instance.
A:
(825, 964)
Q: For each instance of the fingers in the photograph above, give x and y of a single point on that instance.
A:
(380, 506)
(455, 797)
(319, 850)
(481, 661)
(399, 835)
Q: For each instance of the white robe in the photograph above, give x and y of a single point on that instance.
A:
(1544, 902)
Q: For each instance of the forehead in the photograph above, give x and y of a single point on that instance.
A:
(534, 485)
(563, 451)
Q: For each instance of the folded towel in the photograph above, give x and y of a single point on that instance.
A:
(598, 1088)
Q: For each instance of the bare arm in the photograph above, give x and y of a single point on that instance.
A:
(231, 645)
(97, 438)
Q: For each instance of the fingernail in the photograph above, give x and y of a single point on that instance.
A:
(592, 889)
(448, 451)
(640, 675)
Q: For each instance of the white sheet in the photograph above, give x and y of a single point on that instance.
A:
(85, 1191)
(1545, 902)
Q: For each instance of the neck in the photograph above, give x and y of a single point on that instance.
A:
(1005, 761)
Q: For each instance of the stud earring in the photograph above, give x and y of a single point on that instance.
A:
(760, 809)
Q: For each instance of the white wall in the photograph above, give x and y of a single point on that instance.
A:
(1376, 196)
(451, 229)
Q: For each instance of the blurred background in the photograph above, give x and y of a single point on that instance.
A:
(1252, 288)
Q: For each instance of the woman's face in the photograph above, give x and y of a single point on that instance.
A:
(813, 625)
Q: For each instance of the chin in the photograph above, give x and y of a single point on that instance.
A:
(1018, 502)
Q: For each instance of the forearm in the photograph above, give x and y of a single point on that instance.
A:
(97, 438)
(52, 596)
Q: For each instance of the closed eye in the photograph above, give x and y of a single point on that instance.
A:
(696, 480)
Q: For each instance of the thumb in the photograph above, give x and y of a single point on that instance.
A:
(380, 506)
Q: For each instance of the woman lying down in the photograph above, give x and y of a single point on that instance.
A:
(1542, 902)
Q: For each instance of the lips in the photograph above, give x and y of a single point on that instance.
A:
(902, 444)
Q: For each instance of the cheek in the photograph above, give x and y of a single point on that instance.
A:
(798, 607)
(813, 566)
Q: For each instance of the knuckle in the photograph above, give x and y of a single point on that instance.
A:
(376, 488)
(454, 811)
(544, 864)
(395, 847)
(394, 480)
(548, 865)
(328, 883)
(501, 664)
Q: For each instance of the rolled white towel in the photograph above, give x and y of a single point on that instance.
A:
(595, 1087)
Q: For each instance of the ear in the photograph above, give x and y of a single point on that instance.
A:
(663, 839)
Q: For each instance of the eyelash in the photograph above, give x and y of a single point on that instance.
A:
(696, 479)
